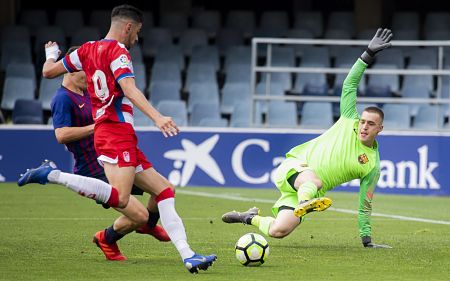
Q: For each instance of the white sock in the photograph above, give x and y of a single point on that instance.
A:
(88, 187)
(174, 226)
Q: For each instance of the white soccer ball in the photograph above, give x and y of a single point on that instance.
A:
(252, 249)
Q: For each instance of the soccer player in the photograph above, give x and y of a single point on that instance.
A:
(74, 127)
(111, 85)
(346, 151)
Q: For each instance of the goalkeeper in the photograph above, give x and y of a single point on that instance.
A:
(346, 151)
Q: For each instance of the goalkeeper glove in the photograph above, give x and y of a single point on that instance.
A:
(380, 41)
(367, 242)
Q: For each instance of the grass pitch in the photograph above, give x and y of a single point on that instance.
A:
(46, 234)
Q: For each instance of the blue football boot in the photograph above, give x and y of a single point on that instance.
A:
(196, 262)
(37, 175)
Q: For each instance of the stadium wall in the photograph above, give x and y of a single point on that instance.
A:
(411, 164)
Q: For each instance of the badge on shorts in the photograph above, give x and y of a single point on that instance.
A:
(126, 156)
(362, 159)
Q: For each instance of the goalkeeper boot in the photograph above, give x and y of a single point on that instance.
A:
(196, 262)
(244, 217)
(157, 231)
(111, 251)
(313, 205)
(37, 175)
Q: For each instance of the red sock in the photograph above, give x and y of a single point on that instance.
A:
(113, 198)
(166, 193)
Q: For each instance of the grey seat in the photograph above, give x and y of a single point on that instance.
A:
(102, 20)
(396, 117)
(47, 89)
(227, 38)
(85, 34)
(237, 73)
(342, 20)
(16, 88)
(201, 92)
(242, 20)
(164, 90)
(312, 21)
(24, 70)
(156, 38)
(45, 34)
(204, 110)
(282, 114)
(207, 20)
(310, 118)
(175, 109)
(199, 73)
(140, 119)
(15, 33)
(206, 55)
(165, 72)
(140, 76)
(70, 20)
(175, 21)
(136, 54)
(15, 52)
(242, 115)
(238, 55)
(429, 117)
(27, 112)
(191, 38)
(170, 54)
(209, 122)
(274, 21)
(232, 94)
(392, 81)
(300, 34)
(34, 19)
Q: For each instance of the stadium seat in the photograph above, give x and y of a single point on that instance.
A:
(204, 110)
(396, 117)
(34, 19)
(15, 33)
(200, 73)
(274, 21)
(340, 77)
(282, 114)
(436, 21)
(238, 55)
(201, 92)
(170, 54)
(191, 38)
(317, 56)
(316, 115)
(232, 94)
(15, 52)
(241, 116)
(149, 23)
(227, 38)
(311, 83)
(84, 34)
(208, 122)
(101, 19)
(342, 21)
(429, 117)
(405, 21)
(140, 76)
(175, 21)
(24, 70)
(282, 78)
(165, 72)
(175, 109)
(27, 112)
(209, 21)
(45, 34)
(361, 106)
(136, 54)
(242, 20)
(312, 21)
(366, 34)
(383, 85)
(163, 90)
(237, 73)
(16, 88)
(299, 49)
(140, 119)
(156, 38)
(205, 55)
(415, 90)
(348, 55)
(423, 57)
(47, 89)
(70, 20)
(392, 56)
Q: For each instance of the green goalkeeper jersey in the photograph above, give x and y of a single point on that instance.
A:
(338, 156)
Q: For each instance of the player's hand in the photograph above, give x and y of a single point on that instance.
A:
(52, 50)
(167, 126)
(380, 41)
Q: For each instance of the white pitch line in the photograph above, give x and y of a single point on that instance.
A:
(260, 200)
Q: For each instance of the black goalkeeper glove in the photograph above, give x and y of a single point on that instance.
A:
(367, 242)
(379, 42)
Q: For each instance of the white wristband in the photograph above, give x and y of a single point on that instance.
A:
(52, 52)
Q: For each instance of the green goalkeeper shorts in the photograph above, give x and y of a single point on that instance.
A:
(286, 169)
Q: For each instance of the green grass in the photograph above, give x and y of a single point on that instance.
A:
(46, 234)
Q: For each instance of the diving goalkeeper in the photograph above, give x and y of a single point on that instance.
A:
(346, 151)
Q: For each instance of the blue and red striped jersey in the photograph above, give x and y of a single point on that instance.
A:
(70, 109)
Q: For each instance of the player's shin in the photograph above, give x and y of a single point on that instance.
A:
(172, 223)
(262, 223)
(306, 191)
(87, 187)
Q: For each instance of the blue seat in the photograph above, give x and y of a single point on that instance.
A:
(206, 55)
(423, 57)
(34, 19)
(382, 85)
(242, 115)
(175, 109)
(165, 72)
(164, 90)
(361, 106)
(237, 73)
(136, 54)
(405, 21)
(140, 119)
(15, 52)
(348, 55)
(392, 56)
(396, 117)
(200, 73)
(140, 76)
(27, 112)
(316, 115)
(16, 88)
(204, 110)
(340, 77)
(208, 122)
(366, 34)
(437, 21)
(338, 34)
(238, 55)
(282, 78)
(156, 38)
(242, 20)
(311, 83)
(316, 56)
(170, 54)
(274, 21)
(417, 89)
(149, 23)
(45, 34)
(343, 21)
(70, 20)
(101, 19)
(47, 89)
(15, 33)
(312, 21)
(24, 70)
(85, 34)
(191, 38)
(227, 38)
(282, 114)
(299, 49)
(429, 117)
(175, 21)
(437, 35)
(232, 94)
(201, 92)
(207, 20)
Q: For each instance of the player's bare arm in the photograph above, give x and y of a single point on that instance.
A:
(164, 123)
(52, 68)
(70, 134)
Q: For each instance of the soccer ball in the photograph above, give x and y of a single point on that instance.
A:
(252, 249)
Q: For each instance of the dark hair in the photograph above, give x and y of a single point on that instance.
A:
(127, 12)
(374, 109)
(71, 49)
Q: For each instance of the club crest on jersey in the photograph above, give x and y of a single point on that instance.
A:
(126, 156)
(363, 159)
